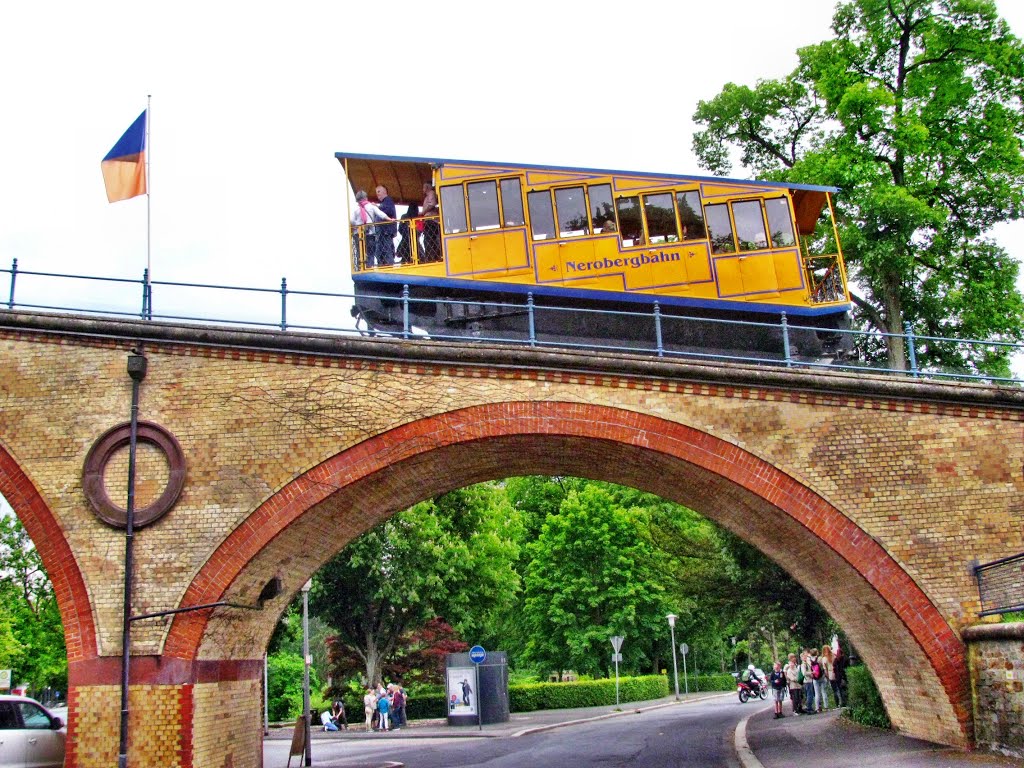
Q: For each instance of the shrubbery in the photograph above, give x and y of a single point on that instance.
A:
(585, 693)
(864, 702)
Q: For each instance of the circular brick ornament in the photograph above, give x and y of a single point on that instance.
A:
(96, 464)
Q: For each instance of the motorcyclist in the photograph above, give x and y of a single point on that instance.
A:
(751, 679)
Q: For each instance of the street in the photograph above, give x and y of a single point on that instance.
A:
(693, 734)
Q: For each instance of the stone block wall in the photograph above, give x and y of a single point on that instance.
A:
(996, 653)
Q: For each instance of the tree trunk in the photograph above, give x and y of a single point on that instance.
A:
(895, 344)
(372, 657)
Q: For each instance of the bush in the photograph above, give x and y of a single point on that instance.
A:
(284, 680)
(864, 701)
(724, 682)
(586, 693)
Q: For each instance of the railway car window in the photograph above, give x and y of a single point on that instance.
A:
(661, 218)
(602, 212)
(483, 205)
(631, 223)
(542, 216)
(720, 228)
(571, 205)
(691, 217)
(453, 208)
(750, 225)
(512, 203)
(780, 222)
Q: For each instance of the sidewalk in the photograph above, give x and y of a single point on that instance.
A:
(761, 741)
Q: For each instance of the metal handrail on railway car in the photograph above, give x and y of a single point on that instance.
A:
(145, 310)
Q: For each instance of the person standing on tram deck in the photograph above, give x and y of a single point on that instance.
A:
(386, 232)
(364, 216)
(407, 232)
(431, 225)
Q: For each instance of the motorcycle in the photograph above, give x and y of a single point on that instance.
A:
(751, 690)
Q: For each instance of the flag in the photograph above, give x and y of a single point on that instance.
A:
(124, 167)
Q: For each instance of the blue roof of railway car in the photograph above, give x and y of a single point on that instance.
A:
(439, 161)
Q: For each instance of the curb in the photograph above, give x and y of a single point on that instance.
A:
(745, 754)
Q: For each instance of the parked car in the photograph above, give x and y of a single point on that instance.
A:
(29, 735)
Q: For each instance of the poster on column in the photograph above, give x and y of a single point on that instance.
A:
(461, 691)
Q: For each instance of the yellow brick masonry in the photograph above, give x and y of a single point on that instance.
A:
(939, 486)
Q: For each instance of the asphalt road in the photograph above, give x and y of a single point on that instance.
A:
(694, 734)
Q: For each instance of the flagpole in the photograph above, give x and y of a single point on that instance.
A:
(149, 115)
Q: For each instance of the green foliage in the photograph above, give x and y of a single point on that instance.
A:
(593, 573)
(449, 557)
(586, 693)
(712, 683)
(863, 700)
(914, 111)
(31, 632)
(284, 684)
(426, 702)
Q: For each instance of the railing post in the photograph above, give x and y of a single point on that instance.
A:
(14, 274)
(657, 329)
(405, 311)
(911, 351)
(785, 341)
(284, 304)
(529, 314)
(146, 313)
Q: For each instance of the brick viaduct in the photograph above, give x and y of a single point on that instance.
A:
(876, 494)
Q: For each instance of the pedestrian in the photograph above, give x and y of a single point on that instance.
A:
(829, 660)
(778, 683)
(338, 712)
(839, 666)
(796, 686)
(369, 707)
(326, 721)
(397, 707)
(383, 707)
(820, 680)
(808, 683)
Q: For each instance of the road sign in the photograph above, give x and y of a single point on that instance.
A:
(5, 679)
(684, 648)
(477, 654)
(616, 657)
(617, 642)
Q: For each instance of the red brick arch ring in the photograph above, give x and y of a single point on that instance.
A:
(57, 556)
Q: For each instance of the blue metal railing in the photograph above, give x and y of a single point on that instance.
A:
(305, 310)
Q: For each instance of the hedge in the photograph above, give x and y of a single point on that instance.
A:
(586, 693)
(864, 702)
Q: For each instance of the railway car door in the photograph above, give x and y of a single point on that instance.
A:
(547, 262)
(491, 240)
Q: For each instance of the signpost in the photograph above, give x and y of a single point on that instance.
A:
(617, 657)
(684, 649)
(5, 679)
(478, 656)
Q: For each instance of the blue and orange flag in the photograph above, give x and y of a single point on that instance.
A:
(124, 167)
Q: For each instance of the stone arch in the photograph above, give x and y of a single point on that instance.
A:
(899, 631)
(58, 560)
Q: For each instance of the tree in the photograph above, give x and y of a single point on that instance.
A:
(34, 637)
(593, 573)
(449, 557)
(915, 111)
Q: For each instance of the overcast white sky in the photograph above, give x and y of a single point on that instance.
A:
(252, 100)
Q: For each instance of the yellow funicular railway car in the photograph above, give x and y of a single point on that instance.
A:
(474, 243)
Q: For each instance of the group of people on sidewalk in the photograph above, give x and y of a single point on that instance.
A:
(809, 681)
(384, 707)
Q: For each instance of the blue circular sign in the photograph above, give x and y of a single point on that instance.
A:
(477, 654)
